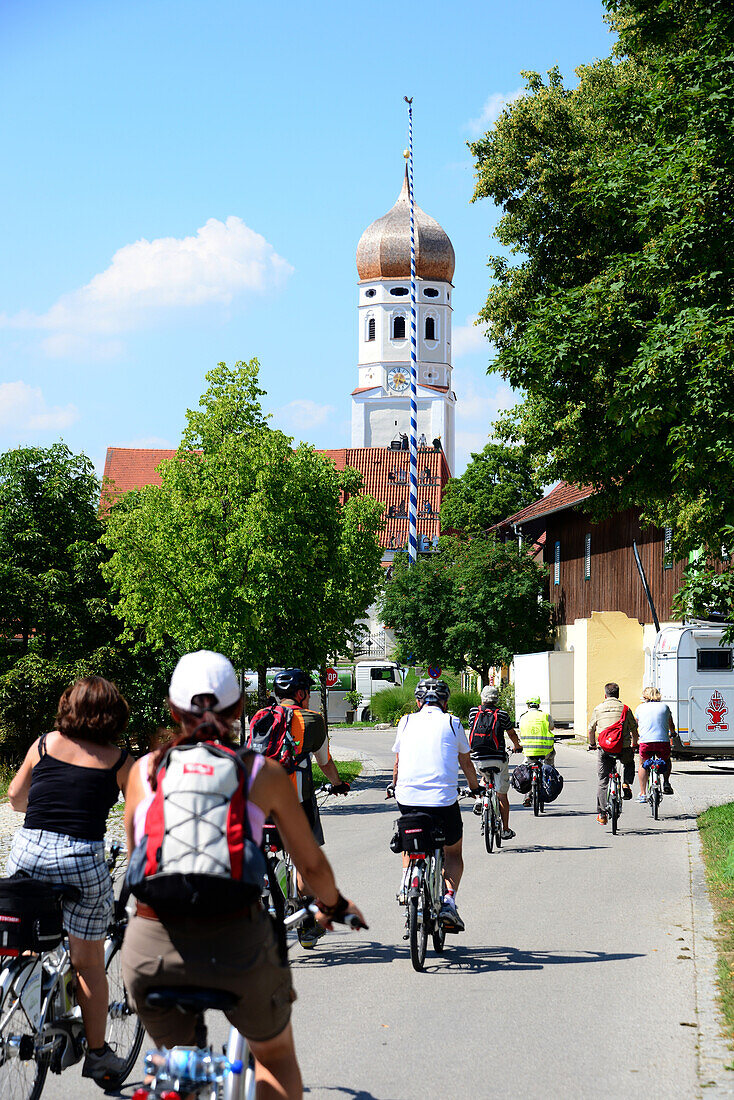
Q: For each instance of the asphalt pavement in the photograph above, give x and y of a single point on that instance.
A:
(586, 968)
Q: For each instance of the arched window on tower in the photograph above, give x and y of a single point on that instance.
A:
(371, 329)
(430, 328)
(398, 328)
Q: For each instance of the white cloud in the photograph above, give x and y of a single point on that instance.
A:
(492, 109)
(301, 415)
(482, 400)
(23, 408)
(468, 338)
(222, 262)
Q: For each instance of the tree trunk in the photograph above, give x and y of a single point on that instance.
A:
(324, 695)
(483, 677)
(262, 689)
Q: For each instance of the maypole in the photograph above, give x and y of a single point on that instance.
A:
(413, 493)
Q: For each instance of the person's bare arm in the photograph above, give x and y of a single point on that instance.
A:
(273, 792)
(671, 724)
(395, 769)
(123, 773)
(21, 783)
(467, 766)
(515, 739)
(133, 796)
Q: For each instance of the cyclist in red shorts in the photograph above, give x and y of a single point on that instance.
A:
(656, 728)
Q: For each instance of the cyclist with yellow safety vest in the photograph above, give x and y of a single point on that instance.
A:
(536, 734)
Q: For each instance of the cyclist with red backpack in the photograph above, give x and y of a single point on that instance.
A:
(488, 725)
(613, 728)
(289, 732)
(194, 814)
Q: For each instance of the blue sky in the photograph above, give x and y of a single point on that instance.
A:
(186, 182)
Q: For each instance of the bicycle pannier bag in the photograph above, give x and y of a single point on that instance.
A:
(270, 735)
(198, 854)
(486, 737)
(656, 760)
(419, 833)
(552, 783)
(610, 739)
(522, 779)
(30, 916)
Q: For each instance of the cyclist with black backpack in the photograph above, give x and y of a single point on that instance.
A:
(289, 732)
(488, 725)
(194, 814)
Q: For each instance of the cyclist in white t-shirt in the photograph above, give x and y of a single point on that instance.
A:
(656, 728)
(430, 746)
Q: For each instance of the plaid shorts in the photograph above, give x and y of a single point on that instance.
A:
(64, 859)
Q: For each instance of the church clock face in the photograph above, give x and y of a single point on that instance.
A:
(398, 379)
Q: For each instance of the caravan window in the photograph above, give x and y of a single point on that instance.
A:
(383, 674)
(714, 660)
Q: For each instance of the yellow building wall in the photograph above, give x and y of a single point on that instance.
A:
(607, 646)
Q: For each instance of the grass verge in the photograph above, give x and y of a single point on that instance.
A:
(352, 725)
(348, 770)
(717, 838)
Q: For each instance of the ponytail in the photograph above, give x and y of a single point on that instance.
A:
(201, 724)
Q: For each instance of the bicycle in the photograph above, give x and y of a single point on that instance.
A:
(491, 818)
(655, 768)
(614, 797)
(420, 838)
(282, 872)
(537, 795)
(197, 1071)
(41, 1026)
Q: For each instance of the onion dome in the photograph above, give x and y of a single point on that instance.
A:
(383, 251)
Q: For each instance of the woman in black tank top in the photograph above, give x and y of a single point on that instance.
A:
(67, 784)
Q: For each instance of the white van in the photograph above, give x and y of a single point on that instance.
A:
(694, 674)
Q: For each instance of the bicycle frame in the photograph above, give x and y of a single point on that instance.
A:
(614, 796)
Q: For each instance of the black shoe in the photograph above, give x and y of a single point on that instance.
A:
(667, 789)
(102, 1065)
(626, 792)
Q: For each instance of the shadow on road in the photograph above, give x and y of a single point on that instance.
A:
(524, 849)
(510, 958)
(344, 1090)
(350, 953)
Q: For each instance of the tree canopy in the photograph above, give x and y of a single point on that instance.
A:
(474, 603)
(246, 546)
(498, 482)
(614, 316)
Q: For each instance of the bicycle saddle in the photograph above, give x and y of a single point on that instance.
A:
(190, 998)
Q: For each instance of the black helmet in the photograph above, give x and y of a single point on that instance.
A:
(291, 680)
(432, 692)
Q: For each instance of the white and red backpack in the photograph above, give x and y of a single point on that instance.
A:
(198, 856)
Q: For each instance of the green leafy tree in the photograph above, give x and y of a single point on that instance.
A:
(498, 482)
(247, 545)
(473, 604)
(613, 314)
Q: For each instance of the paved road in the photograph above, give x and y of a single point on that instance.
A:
(575, 977)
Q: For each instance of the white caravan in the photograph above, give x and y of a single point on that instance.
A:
(694, 674)
(549, 675)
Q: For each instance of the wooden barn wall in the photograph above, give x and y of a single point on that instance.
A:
(614, 584)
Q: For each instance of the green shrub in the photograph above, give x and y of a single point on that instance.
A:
(461, 703)
(392, 703)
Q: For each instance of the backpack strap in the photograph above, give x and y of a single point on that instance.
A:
(42, 749)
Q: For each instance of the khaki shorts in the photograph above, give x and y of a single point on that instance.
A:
(238, 954)
(501, 778)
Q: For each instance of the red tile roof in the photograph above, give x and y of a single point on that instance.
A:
(561, 496)
(381, 468)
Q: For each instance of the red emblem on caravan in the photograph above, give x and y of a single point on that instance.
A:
(716, 709)
(198, 769)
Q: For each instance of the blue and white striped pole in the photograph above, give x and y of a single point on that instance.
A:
(413, 494)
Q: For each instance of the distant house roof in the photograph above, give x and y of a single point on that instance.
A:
(385, 472)
(561, 496)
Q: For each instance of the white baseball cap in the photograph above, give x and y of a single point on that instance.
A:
(204, 673)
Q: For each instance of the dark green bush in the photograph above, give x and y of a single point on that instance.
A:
(392, 703)
(461, 703)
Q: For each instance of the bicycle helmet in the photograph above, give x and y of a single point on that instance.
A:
(534, 701)
(291, 680)
(433, 692)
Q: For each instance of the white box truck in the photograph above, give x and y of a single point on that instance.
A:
(693, 671)
(550, 675)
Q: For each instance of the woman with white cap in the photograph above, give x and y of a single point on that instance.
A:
(234, 952)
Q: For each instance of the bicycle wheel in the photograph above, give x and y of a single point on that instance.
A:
(497, 822)
(488, 825)
(418, 917)
(536, 797)
(22, 1072)
(614, 811)
(656, 798)
(124, 1030)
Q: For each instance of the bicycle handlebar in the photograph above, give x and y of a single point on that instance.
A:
(351, 920)
(334, 788)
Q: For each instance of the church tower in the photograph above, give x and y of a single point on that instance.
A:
(381, 400)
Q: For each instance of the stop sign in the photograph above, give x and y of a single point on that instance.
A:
(332, 677)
